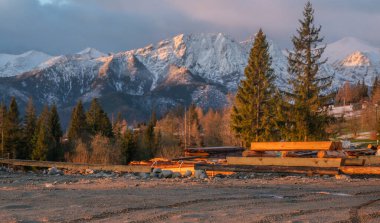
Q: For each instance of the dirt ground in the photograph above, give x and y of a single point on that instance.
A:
(30, 197)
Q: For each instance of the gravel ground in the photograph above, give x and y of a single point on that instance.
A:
(31, 197)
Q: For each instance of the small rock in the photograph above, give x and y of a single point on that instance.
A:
(200, 174)
(53, 171)
(219, 175)
(89, 171)
(157, 170)
(177, 175)
(203, 176)
(144, 175)
(167, 173)
(188, 173)
(342, 177)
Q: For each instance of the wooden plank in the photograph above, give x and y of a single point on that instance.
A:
(353, 162)
(249, 153)
(360, 170)
(77, 166)
(295, 146)
(212, 150)
(285, 161)
(197, 154)
(268, 169)
(371, 160)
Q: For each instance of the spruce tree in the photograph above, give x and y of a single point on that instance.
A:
(29, 128)
(56, 152)
(78, 126)
(13, 141)
(149, 137)
(3, 119)
(98, 121)
(253, 115)
(45, 142)
(307, 99)
(128, 146)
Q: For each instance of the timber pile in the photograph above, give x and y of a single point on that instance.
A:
(295, 149)
(300, 157)
(214, 152)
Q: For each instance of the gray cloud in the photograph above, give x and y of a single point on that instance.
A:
(67, 26)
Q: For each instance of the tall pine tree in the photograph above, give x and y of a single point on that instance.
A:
(55, 153)
(253, 115)
(3, 119)
(78, 128)
(307, 98)
(45, 142)
(29, 128)
(13, 141)
(97, 120)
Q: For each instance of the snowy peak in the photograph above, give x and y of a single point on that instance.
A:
(91, 53)
(341, 49)
(12, 65)
(356, 59)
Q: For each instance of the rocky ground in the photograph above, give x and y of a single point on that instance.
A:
(111, 197)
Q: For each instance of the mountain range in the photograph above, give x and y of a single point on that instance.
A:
(194, 68)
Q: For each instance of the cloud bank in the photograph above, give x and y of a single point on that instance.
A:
(67, 26)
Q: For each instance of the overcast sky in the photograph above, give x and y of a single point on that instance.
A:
(67, 26)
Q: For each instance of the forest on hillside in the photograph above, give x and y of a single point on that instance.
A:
(259, 111)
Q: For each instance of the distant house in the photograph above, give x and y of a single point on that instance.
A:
(345, 111)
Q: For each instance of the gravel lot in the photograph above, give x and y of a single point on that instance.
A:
(31, 197)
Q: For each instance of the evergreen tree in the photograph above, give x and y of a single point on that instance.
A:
(128, 146)
(29, 129)
(3, 119)
(253, 116)
(117, 125)
(194, 127)
(13, 141)
(78, 128)
(375, 93)
(98, 121)
(56, 152)
(45, 142)
(149, 137)
(307, 100)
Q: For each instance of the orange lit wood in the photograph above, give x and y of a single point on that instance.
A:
(295, 146)
(268, 169)
(285, 161)
(197, 154)
(370, 160)
(353, 162)
(360, 170)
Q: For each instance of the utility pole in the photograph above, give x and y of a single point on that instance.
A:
(185, 130)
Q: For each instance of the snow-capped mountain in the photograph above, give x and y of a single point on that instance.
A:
(11, 65)
(353, 60)
(195, 68)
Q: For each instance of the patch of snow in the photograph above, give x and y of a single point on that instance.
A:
(12, 65)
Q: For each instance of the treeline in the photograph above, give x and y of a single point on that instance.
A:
(91, 137)
(31, 137)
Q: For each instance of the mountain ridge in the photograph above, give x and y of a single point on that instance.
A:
(184, 69)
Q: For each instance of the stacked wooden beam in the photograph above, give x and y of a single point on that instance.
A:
(297, 157)
(214, 152)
